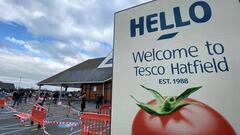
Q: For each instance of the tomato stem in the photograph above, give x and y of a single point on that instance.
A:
(168, 105)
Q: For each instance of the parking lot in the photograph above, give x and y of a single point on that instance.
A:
(60, 121)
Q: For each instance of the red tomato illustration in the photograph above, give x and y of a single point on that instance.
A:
(194, 118)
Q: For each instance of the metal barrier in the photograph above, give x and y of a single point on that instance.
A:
(2, 103)
(95, 124)
(38, 114)
(105, 109)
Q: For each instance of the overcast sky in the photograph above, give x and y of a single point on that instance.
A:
(39, 38)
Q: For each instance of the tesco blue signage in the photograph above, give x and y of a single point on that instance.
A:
(157, 21)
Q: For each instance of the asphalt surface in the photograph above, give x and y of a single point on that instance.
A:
(11, 125)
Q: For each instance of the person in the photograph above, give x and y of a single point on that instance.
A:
(97, 101)
(16, 97)
(30, 94)
(25, 96)
(70, 96)
(55, 97)
(40, 99)
(101, 100)
(70, 99)
(47, 95)
(83, 99)
(21, 96)
(1, 93)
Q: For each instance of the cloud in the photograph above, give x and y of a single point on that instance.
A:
(57, 50)
(65, 33)
(15, 65)
(66, 19)
(21, 43)
(69, 23)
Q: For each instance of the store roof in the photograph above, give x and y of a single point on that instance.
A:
(85, 72)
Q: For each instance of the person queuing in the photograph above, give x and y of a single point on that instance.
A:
(16, 98)
(25, 96)
(47, 97)
(70, 100)
(97, 101)
(101, 100)
(30, 96)
(21, 96)
(40, 99)
(55, 97)
(83, 100)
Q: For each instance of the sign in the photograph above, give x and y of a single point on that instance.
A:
(107, 62)
(176, 68)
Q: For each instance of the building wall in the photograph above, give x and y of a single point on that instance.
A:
(96, 89)
(6, 86)
(108, 90)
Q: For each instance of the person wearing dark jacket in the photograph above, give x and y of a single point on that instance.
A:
(55, 97)
(101, 100)
(83, 99)
(16, 97)
(97, 101)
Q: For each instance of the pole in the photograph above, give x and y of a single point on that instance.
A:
(60, 94)
(103, 90)
(19, 84)
(39, 90)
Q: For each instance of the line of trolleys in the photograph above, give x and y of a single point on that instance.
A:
(90, 123)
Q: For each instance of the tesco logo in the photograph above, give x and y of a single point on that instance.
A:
(157, 21)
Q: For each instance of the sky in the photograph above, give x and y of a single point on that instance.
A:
(40, 38)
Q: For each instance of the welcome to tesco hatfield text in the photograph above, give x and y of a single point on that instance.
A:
(194, 65)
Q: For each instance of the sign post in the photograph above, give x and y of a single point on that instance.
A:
(176, 68)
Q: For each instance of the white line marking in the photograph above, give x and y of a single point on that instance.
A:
(7, 117)
(11, 125)
(4, 112)
(16, 131)
(4, 115)
(74, 132)
(9, 128)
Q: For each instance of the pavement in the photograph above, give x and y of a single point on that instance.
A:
(11, 125)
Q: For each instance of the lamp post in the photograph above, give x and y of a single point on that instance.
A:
(19, 84)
